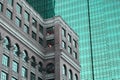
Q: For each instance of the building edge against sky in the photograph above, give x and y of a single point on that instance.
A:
(103, 22)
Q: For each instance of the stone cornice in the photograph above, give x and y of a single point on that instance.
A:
(20, 37)
(70, 61)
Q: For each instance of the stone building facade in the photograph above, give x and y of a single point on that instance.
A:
(32, 48)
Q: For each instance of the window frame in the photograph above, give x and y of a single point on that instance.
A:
(34, 35)
(9, 14)
(18, 8)
(28, 16)
(63, 44)
(26, 29)
(15, 66)
(63, 32)
(24, 72)
(4, 75)
(1, 7)
(4, 62)
(10, 2)
(18, 22)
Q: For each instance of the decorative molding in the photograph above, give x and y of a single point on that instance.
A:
(20, 37)
(70, 61)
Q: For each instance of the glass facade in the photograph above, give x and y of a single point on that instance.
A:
(97, 24)
(45, 7)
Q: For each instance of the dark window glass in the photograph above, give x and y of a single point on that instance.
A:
(63, 44)
(69, 37)
(39, 78)
(18, 22)
(10, 2)
(24, 56)
(50, 68)
(32, 76)
(70, 76)
(69, 50)
(33, 62)
(1, 7)
(64, 70)
(41, 41)
(13, 78)
(18, 9)
(9, 14)
(41, 28)
(63, 32)
(76, 77)
(26, 29)
(4, 76)
(50, 30)
(5, 60)
(6, 43)
(40, 67)
(34, 35)
(50, 43)
(34, 22)
(15, 66)
(16, 50)
(75, 55)
(24, 72)
(74, 43)
(26, 16)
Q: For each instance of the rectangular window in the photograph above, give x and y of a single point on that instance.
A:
(34, 35)
(50, 43)
(32, 76)
(24, 72)
(26, 16)
(1, 7)
(69, 37)
(18, 9)
(18, 22)
(41, 41)
(75, 55)
(10, 2)
(9, 14)
(5, 60)
(50, 30)
(39, 78)
(63, 32)
(69, 50)
(4, 76)
(41, 29)
(26, 29)
(13, 78)
(74, 43)
(34, 22)
(63, 44)
(15, 66)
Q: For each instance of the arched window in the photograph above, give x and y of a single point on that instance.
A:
(33, 62)
(16, 50)
(25, 55)
(70, 75)
(64, 70)
(76, 77)
(6, 43)
(40, 67)
(50, 68)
